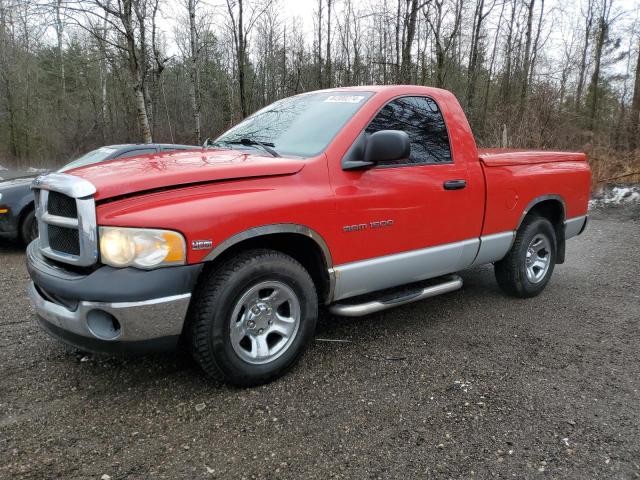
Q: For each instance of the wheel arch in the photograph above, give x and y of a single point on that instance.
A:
(298, 241)
(553, 208)
(24, 210)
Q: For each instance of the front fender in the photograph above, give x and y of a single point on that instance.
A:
(18, 200)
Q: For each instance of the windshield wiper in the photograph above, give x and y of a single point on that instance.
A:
(266, 146)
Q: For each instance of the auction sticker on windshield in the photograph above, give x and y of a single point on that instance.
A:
(344, 99)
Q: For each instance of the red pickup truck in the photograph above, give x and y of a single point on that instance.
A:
(360, 199)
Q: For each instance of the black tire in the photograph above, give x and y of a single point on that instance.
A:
(208, 329)
(28, 228)
(511, 271)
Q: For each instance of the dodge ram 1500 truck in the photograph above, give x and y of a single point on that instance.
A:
(360, 199)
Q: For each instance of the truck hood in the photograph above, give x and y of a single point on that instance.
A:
(171, 170)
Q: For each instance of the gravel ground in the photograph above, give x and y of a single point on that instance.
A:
(470, 384)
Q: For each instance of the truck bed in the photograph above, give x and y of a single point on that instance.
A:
(516, 178)
(496, 157)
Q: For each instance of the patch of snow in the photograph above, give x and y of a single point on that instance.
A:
(36, 170)
(3, 168)
(616, 195)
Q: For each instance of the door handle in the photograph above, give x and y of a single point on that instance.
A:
(454, 184)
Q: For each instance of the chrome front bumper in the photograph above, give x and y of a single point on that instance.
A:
(136, 321)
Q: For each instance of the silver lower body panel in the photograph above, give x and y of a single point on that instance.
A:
(366, 276)
(574, 226)
(494, 247)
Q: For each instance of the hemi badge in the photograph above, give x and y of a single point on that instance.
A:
(201, 244)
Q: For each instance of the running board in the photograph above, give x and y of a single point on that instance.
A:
(448, 284)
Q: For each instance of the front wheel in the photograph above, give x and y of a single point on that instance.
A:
(528, 266)
(252, 317)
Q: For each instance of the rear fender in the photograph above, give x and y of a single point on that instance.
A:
(553, 208)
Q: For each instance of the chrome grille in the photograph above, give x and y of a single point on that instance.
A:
(66, 240)
(66, 218)
(62, 205)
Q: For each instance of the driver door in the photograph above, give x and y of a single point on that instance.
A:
(409, 224)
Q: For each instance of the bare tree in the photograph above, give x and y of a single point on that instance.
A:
(588, 28)
(241, 27)
(601, 38)
(59, 37)
(480, 16)
(328, 73)
(319, 61)
(524, 92)
(508, 53)
(443, 41)
(411, 17)
(194, 71)
(125, 17)
(635, 106)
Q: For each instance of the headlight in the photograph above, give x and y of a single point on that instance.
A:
(141, 247)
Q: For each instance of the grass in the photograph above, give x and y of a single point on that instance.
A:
(610, 167)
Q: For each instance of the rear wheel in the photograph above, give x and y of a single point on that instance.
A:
(252, 317)
(528, 266)
(29, 228)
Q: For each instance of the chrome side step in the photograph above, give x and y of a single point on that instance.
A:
(449, 284)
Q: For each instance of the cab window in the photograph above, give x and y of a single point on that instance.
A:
(422, 119)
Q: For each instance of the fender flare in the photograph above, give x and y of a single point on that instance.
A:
(560, 229)
(274, 228)
(277, 228)
(540, 199)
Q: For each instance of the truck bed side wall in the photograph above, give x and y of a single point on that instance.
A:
(511, 189)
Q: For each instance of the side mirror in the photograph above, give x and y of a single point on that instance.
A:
(382, 146)
(387, 146)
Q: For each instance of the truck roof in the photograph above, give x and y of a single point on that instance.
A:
(398, 89)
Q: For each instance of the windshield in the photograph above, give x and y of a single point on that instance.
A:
(94, 156)
(300, 126)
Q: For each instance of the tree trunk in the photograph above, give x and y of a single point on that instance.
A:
(397, 49)
(506, 79)
(595, 78)
(472, 71)
(194, 85)
(485, 102)
(635, 107)
(524, 92)
(440, 64)
(103, 101)
(241, 62)
(405, 65)
(141, 114)
(536, 43)
(59, 31)
(585, 52)
(136, 74)
(327, 73)
(320, 43)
